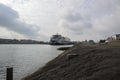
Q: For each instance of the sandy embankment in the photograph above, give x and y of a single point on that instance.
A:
(82, 63)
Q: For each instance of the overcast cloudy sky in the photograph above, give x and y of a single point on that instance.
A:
(76, 19)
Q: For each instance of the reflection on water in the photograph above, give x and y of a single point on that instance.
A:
(25, 59)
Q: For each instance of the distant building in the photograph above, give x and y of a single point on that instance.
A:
(102, 41)
(117, 36)
(110, 39)
(91, 41)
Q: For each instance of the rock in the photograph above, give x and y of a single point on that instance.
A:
(71, 56)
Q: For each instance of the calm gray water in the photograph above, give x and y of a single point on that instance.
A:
(25, 59)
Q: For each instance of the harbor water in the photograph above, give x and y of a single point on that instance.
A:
(25, 59)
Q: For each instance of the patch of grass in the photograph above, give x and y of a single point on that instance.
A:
(115, 43)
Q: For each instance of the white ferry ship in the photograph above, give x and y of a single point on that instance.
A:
(59, 40)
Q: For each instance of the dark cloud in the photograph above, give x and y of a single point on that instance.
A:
(90, 19)
(9, 19)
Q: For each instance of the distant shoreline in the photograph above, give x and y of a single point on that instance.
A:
(28, 41)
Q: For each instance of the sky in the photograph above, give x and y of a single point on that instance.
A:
(77, 19)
